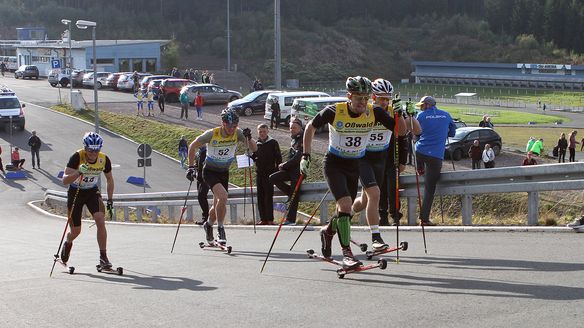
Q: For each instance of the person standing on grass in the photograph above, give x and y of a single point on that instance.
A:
(562, 146)
(572, 146)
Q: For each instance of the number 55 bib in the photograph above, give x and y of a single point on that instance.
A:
(348, 135)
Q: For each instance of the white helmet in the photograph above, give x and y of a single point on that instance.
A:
(381, 86)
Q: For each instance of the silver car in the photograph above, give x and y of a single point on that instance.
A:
(212, 93)
(101, 79)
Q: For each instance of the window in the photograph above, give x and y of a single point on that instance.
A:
(124, 65)
(105, 61)
(137, 65)
(151, 65)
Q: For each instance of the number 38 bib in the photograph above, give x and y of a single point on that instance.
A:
(348, 135)
(221, 150)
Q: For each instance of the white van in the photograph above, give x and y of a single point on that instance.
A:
(306, 108)
(285, 99)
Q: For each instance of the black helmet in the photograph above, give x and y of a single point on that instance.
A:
(358, 84)
(229, 116)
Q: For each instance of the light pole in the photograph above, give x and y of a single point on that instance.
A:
(228, 41)
(83, 24)
(68, 23)
(277, 47)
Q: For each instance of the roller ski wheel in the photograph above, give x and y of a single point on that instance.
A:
(402, 246)
(362, 246)
(119, 270)
(340, 273)
(226, 248)
(70, 269)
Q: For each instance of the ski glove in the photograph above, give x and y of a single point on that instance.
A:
(192, 173)
(410, 108)
(247, 133)
(110, 207)
(83, 169)
(305, 164)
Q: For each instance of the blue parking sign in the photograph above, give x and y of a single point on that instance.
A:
(56, 63)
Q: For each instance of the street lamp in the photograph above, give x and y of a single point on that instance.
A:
(68, 23)
(83, 24)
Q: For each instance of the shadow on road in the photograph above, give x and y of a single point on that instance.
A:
(145, 281)
(495, 264)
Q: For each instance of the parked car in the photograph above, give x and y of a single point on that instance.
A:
(171, 88)
(252, 103)
(146, 80)
(101, 79)
(285, 99)
(60, 76)
(25, 71)
(457, 147)
(112, 80)
(11, 109)
(306, 108)
(155, 86)
(212, 93)
(77, 77)
(126, 82)
(459, 123)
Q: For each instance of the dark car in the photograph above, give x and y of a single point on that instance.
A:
(29, 71)
(253, 102)
(457, 147)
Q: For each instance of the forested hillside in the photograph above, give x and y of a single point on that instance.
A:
(326, 40)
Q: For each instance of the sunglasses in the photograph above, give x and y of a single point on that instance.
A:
(230, 126)
(359, 98)
(90, 150)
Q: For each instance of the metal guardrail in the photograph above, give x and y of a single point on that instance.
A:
(529, 179)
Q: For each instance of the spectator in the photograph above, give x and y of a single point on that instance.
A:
(537, 148)
(275, 118)
(267, 159)
(161, 100)
(488, 157)
(528, 160)
(2, 68)
(186, 75)
(136, 81)
(544, 107)
(572, 146)
(1, 166)
(199, 105)
(562, 146)
(183, 151)
(16, 161)
(35, 146)
(184, 103)
(476, 155)
(290, 170)
(139, 103)
(486, 122)
(437, 125)
(150, 99)
(196, 75)
(175, 73)
(202, 187)
(212, 78)
(530, 143)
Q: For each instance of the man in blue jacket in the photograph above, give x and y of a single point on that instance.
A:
(437, 125)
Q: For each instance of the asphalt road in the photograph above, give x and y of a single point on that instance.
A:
(471, 279)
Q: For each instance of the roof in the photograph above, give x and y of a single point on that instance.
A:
(59, 44)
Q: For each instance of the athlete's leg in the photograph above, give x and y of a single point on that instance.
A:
(219, 203)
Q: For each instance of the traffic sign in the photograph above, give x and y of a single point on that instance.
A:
(56, 63)
(142, 162)
(144, 150)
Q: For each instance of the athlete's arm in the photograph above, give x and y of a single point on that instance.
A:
(71, 173)
(252, 144)
(308, 136)
(413, 125)
(198, 142)
(384, 118)
(109, 178)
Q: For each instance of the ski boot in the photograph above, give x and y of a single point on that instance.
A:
(221, 238)
(349, 260)
(378, 244)
(104, 263)
(208, 232)
(326, 240)
(65, 251)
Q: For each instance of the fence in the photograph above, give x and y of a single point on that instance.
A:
(529, 179)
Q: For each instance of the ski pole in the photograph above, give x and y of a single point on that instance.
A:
(311, 216)
(418, 188)
(251, 193)
(182, 212)
(69, 215)
(292, 198)
(396, 165)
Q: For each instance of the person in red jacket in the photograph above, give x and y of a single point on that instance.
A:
(199, 105)
(16, 161)
(528, 160)
(1, 166)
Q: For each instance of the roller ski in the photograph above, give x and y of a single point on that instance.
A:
(344, 268)
(63, 258)
(70, 269)
(384, 250)
(577, 224)
(105, 266)
(219, 243)
(362, 246)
